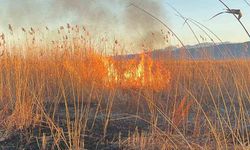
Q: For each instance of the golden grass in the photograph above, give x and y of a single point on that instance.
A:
(211, 96)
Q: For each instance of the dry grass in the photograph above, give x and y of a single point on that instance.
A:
(56, 93)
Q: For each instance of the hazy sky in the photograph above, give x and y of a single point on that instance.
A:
(225, 25)
(109, 14)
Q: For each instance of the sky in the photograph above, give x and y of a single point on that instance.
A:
(225, 25)
(117, 17)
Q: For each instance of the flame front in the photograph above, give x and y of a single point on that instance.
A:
(132, 73)
(137, 74)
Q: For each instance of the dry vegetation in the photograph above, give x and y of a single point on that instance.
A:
(67, 94)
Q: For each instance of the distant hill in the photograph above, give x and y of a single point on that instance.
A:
(203, 51)
(207, 50)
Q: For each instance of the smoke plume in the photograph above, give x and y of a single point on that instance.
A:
(108, 16)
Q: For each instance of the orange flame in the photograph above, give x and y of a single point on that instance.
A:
(121, 73)
(145, 73)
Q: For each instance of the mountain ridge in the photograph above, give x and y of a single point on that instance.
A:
(224, 50)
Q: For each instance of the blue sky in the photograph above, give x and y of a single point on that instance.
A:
(225, 26)
(57, 12)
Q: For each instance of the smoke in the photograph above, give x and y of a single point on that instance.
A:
(82, 11)
(20, 13)
(109, 16)
(146, 31)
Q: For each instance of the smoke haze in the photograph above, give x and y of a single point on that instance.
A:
(109, 16)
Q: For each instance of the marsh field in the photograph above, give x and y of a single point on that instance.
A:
(74, 91)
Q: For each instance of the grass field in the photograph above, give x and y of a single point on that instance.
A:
(70, 94)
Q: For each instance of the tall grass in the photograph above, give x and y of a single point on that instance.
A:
(56, 93)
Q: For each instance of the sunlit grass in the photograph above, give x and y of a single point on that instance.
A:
(54, 85)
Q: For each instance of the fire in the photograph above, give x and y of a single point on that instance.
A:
(137, 74)
(112, 74)
(132, 73)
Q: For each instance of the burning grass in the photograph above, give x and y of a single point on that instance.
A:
(131, 73)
